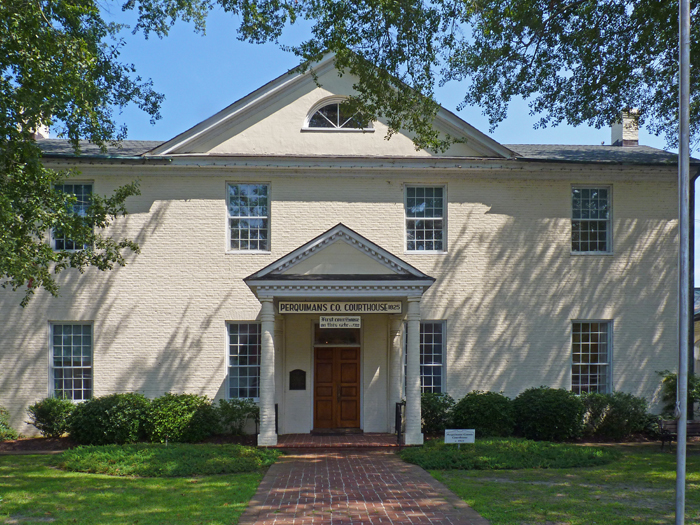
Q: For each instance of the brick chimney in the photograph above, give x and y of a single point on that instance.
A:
(625, 132)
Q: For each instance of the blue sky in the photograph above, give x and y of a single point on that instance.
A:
(201, 75)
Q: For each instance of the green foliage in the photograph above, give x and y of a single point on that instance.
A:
(669, 387)
(435, 411)
(548, 414)
(112, 419)
(181, 418)
(51, 416)
(498, 454)
(554, 54)
(489, 413)
(235, 413)
(616, 415)
(174, 460)
(6, 431)
(59, 67)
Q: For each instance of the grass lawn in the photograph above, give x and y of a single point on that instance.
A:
(33, 490)
(637, 488)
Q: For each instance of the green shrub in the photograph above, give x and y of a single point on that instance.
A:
(112, 419)
(435, 411)
(511, 453)
(175, 460)
(548, 414)
(489, 413)
(615, 415)
(235, 413)
(51, 416)
(6, 431)
(181, 418)
(669, 385)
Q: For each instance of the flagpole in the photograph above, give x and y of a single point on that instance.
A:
(683, 263)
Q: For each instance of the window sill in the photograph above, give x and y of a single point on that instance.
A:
(337, 130)
(248, 252)
(423, 252)
(589, 254)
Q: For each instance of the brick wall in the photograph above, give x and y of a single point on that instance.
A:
(507, 286)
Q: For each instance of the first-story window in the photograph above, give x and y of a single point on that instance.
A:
(432, 357)
(71, 361)
(591, 352)
(249, 217)
(83, 199)
(244, 360)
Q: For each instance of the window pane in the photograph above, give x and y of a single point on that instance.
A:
(424, 211)
(244, 360)
(590, 368)
(590, 220)
(336, 116)
(83, 196)
(248, 210)
(432, 356)
(71, 350)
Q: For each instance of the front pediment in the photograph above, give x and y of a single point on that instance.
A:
(340, 255)
(275, 121)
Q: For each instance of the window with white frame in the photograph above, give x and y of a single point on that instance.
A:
(83, 196)
(71, 360)
(335, 115)
(432, 356)
(249, 217)
(591, 352)
(425, 218)
(244, 360)
(590, 219)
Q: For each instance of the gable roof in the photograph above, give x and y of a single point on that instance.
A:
(262, 97)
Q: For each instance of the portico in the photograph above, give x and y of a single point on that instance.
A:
(342, 275)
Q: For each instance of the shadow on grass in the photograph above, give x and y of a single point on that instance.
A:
(31, 488)
(637, 488)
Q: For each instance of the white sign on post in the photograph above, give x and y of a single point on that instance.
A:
(345, 321)
(459, 435)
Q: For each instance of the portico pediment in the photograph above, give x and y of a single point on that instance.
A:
(339, 262)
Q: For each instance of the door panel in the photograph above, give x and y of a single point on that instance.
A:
(337, 388)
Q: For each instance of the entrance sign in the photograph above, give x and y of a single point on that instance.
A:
(364, 307)
(459, 435)
(345, 321)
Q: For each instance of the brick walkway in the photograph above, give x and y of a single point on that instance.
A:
(353, 488)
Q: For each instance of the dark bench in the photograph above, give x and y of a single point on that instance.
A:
(668, 429)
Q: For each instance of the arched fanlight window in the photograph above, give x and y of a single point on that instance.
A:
(335, 116)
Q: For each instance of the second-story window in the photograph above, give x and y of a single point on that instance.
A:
(249, 217)
(83, 199)
(425, 218)
(590, 219)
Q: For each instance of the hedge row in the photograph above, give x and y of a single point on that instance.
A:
(129, 418)
(544, 414)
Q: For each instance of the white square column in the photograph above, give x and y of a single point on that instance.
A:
(414, 436)
(267, 436)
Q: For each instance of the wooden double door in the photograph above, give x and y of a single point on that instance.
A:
(337, 388)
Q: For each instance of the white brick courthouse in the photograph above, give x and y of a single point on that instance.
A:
(291, 257)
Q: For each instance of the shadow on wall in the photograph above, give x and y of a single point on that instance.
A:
(115, 301)
(509, 278)
(519, 288)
